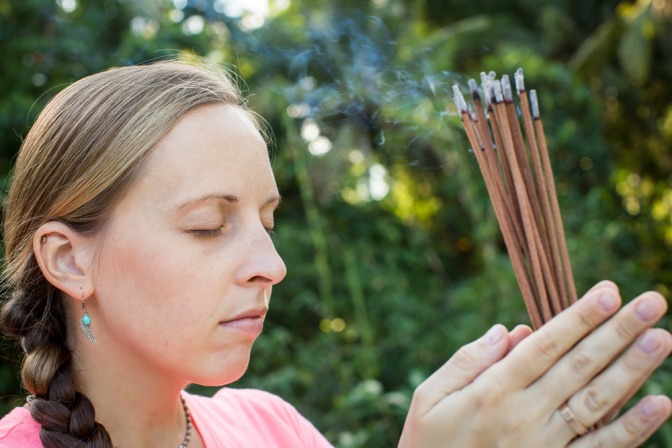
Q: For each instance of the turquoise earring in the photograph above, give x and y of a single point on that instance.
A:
(85, 323)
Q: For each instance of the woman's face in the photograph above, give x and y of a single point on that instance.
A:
(186, 264)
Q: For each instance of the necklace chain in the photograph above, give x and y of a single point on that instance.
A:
(187, 436)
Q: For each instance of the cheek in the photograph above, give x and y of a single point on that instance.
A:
(137, 268)
(166, 275)
(151, 285)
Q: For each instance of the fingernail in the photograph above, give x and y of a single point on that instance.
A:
(645, 310)
(494, 335)
(608, 301)
(647, 343)
(649, 407)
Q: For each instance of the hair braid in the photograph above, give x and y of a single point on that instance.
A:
(66, 417)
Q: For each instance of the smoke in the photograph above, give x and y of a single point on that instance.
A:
(344, 65)
(348, 75)
(355, 72)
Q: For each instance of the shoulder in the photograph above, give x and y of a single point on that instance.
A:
(254, 418)
(244, 402)
(18, 429)
(252, 399)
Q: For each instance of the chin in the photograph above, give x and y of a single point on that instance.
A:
(227, 372)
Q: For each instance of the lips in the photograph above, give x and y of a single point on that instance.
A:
(247, 314)
(249, 321)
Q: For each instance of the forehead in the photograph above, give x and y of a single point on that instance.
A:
(220, 129)
(214, 149)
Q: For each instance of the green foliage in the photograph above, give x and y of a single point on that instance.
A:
(384, 285)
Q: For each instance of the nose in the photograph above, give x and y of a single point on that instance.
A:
(262, 265)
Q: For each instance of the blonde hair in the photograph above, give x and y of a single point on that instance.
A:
(81, 155)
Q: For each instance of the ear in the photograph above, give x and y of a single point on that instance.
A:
(65, 257)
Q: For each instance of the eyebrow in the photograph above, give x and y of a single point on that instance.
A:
(231, 199)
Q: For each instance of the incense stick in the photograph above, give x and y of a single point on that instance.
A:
(544, 193)
(471, 124)
(516, 167)
(548, 172)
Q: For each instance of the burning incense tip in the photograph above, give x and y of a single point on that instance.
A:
(520, 80)
(490, 91)
(484, 79)
(458, 98)
(473, 86)
(534, 104)
(484, 87)
(506, 88)
(474, 91)
(497, 86)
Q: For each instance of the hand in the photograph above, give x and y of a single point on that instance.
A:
(586, 357)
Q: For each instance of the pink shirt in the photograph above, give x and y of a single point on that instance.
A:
(233, 418)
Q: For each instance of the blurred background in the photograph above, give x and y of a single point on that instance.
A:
(394, 254)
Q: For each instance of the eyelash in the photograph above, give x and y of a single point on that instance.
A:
(206, 233)
(209, 233)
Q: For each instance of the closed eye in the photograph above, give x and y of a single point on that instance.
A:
(206, 233)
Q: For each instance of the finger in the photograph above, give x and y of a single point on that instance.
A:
(594, 401)
(517, 335)
(538, 352)
(598, 350)
(632, 428)
(627, 396)
(462, 368)
(608, 284)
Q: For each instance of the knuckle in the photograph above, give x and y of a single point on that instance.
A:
(464, 359)
(588, 318)
(580, 364)
(420, 394)
(485, 406)
(623, 331)
(634, 362)
(630, 428)
(548, 346)
(480, 403)
(423, 392)
(593, 400)
(489, 396)
(494, 396)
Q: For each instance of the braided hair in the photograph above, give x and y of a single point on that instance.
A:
(84, 151)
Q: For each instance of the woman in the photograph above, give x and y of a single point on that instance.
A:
(138, 251)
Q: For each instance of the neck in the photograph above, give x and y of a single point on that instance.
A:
(137, 407)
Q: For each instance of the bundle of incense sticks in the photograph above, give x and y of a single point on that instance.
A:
(519, 179)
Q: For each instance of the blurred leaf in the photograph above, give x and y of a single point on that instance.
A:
(635, 48)
(595, 51)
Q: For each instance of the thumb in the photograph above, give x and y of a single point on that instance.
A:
(472, 359)
(464, 366)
